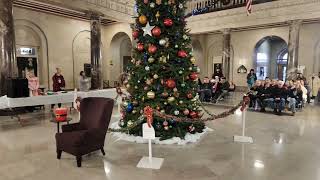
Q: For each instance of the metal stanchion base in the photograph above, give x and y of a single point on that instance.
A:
(155, 163)
(242, 139)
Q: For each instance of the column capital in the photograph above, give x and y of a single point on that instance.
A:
(226, 31)
(94, 15)
(296, 22)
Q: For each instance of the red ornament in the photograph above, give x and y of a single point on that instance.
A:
(140, 47)
(189, 95)
(194, 76)
(152, 49)
(182, 54)
(135, 34)
(193, 114)
(170, 83)
(156, 31)
(186, 112)
(145, 1)
(168, 22)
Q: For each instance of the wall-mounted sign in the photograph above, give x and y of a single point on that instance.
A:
(26, 51)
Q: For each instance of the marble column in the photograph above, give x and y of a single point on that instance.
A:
(96, 76)
(8, 66)
(293, 45)
(226, 49)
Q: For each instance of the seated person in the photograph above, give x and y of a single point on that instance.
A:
(253, 93)
(299, 97)
(279, 97)
(222, 89)
(265, 98)
(205, 90)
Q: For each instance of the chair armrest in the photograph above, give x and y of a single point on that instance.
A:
(71, 127)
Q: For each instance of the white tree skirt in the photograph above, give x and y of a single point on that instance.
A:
(189, 138)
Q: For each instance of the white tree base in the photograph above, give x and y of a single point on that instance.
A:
(189, 138)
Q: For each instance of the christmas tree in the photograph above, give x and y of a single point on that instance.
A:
(162, 73)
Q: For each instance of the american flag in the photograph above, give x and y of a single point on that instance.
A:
(249, 7)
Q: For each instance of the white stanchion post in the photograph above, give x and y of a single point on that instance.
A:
(243, 138)
(149, 162)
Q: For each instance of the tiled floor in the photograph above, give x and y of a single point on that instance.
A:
(284, 148)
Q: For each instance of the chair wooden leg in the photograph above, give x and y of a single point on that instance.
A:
(59, 152)
(79, 159)
(102, 150)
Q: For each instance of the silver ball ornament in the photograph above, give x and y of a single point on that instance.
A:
(147, 68)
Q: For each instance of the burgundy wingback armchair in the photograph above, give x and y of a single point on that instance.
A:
(89, 134)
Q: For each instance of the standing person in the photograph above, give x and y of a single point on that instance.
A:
(315, 85)
(58, 83)
(33, 84)
(84, 82)
(251, 78)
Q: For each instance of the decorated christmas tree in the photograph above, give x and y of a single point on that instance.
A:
(162, 73)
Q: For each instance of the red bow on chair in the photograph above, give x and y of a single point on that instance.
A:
(148, 113)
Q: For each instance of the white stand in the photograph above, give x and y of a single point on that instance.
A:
(118, 115)
(243, 138)
(149, 162)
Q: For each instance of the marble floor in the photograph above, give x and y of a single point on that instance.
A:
(284, 148)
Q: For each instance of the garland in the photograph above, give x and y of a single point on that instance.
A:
(149, 112)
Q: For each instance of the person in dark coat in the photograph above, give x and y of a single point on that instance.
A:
(205, 90)
(279, 96)
(251, 78)
(58, 83)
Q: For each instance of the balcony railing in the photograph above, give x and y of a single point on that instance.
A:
(195, 7)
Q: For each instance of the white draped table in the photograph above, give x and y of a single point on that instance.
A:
(68, 97)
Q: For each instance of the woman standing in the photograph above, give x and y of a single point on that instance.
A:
(251, 78)
(84, 82)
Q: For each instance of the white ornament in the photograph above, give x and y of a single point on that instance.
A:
(185, 37)
(180, 72)
(162, 42)
(183, 85)
(147, 30)
(175, 89)
(155, 76)
(147, 68)
(176, 46)
(176, 112)
(190, 68)
(198, 70)
(152, 5)
(180, 6)
(181, 102)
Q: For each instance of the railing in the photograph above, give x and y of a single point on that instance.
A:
(195, 7)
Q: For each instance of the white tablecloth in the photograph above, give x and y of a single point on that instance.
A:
(68, 97)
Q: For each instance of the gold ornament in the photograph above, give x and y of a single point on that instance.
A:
(171, 2)
(163, 59)
(149, 81)
(158, 2)
(134, 111)
(158, 14)
(151, 95)
(143, 19)
(128, 86)
(150, 59)
(171, 99)
(193, 60)
(129, 123)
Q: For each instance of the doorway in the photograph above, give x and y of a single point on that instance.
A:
(271, 58)
(27, 65)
